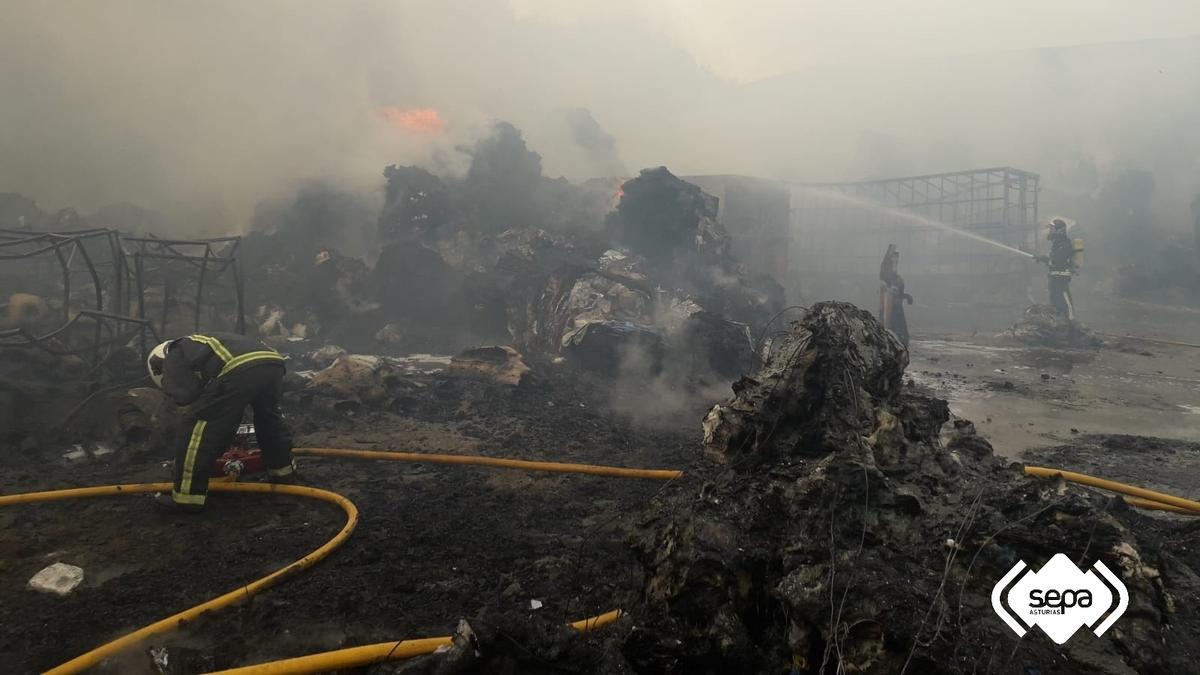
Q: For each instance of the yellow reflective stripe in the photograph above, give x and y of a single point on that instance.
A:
(215, 345)
(247, 358)
(189, 459)
(181, 498)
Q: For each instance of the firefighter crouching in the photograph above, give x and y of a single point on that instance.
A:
(216, 376)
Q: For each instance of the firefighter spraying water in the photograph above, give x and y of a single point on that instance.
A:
(1062, 262)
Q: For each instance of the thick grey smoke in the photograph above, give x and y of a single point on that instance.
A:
(199, 111)
(600, 146)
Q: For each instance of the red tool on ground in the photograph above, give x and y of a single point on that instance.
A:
(243, 456)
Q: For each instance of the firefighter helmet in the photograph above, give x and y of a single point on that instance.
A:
(154, 362)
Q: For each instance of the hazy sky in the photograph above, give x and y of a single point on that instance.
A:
(205, 108)
(745, 41)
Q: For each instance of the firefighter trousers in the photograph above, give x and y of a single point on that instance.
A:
(1060, 296)
(210, 424)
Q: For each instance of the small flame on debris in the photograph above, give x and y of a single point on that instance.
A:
(619, 192)
(414, 120)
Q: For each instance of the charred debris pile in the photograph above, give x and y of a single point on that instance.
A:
(840, 524)
(604, 273)
(1043, 326)
(616, 276)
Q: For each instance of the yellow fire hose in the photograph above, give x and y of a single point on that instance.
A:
(1158, 506)
(369, 654)
(1136, 496)
(343, 658)
(499, 462)
(102, 652)
(356, 657)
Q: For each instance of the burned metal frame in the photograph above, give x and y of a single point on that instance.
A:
(21, 245)
(113, 296)
(108, 298)
(210, 258)
(999, 203)
(100, 348)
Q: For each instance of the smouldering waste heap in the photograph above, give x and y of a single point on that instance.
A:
(834, 526)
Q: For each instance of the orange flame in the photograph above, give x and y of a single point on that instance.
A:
(414, 120)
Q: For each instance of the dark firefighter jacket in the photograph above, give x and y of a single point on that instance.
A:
(1062, 254)
(194, 361)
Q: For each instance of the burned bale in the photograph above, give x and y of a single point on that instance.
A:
(752, 301)
(146, 419)
(420, 294)
(830, 530)
(412, 281)
(417, 204)
(135, 421)
(521, 252)
(820, 386)
(532, 272)
(324, 357)
(22, 310)
(291, 231)
(566, 207)
(502, 181)
(535, 317)
(674, 225)
(276, 325)
(662, 217)
(710, 343)
(336, 290)
(322, 296)
(391, 336)
(498, 364)
(1043, 326)
(596, 298)
(625, 267)
(355, 379)
(304, 263)
(613, 347)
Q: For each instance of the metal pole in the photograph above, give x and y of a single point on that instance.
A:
(237, 287)
(200, 286)
(66, 284)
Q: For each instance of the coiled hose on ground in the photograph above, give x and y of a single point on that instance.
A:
(345, 658)
(89, 659)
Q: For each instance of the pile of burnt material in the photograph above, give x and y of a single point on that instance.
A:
(1043, 326)
(835, 525)
(505, 255)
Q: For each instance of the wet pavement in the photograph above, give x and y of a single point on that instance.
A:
(1024, 398)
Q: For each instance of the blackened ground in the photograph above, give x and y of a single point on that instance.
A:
(434, 544)
(1163, 464)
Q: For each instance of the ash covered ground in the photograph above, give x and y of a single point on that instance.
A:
(847, 504)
